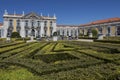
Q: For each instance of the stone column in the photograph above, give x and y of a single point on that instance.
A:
(54, 26)
(113, 31)
(5, 27)
(22, 30)
(42, 29)
(104, 30)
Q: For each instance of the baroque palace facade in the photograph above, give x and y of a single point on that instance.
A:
(32, 24)
(27, 25)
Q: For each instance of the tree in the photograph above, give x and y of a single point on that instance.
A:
(15, 35)
(94, 32)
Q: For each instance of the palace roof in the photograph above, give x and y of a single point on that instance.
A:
(1, 24)
(102, 21)
(30, 15)
(67, 25)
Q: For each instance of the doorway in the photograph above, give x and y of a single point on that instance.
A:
(33, 32)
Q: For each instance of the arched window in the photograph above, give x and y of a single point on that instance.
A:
(100, 30)
(26, 33)
(67, 33)
(33, 32)
(108, 30)
(118, 30)
(0, 33)
(9, 31)
(18, 26)
(71, 32)
(75, 32)
(38, 31)
(83, 31)
(63, 32)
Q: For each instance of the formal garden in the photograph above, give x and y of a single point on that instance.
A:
(59, 60)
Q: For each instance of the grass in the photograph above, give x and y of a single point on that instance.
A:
(17, 73)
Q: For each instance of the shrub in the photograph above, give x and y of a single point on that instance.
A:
(15, 35)
(55, 34)
(94, 32)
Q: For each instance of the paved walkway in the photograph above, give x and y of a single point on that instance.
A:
(85, 40)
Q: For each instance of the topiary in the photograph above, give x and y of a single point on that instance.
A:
(55, 34)
(15, 35)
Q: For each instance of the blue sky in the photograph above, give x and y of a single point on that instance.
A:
(67, 11)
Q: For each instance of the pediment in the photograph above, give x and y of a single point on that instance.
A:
(31, 16)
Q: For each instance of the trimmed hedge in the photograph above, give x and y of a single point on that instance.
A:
(72, 60)
(107, 41)
(87, 37)
(10, 44)
(17, 51)
(6, 49)
(114, 38)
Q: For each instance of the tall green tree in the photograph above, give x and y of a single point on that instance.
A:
(94, 32)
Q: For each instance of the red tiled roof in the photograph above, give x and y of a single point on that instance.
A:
(102, 21)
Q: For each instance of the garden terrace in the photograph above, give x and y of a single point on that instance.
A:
(63, 60)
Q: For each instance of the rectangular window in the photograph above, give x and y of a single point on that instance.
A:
(11, 23)
(26, 23)
(45, 24)
(51, 23)
(38, 23)
(18, 22)
(32, 23)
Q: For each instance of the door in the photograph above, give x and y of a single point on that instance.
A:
(33, 32)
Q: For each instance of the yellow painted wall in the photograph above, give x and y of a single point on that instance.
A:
(85, 31)
(14, 25)
(113, 30)
(81, 31)
(104, 30)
